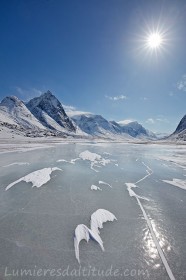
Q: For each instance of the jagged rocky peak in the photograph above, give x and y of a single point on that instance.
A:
(181, 126)
(50, 105)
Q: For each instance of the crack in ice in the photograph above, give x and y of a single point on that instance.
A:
(133, 194)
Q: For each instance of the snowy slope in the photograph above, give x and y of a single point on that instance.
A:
(14, 112)
(49, 111)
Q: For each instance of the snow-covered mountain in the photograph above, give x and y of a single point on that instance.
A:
(49, 111)
(180, 132)
(45, 116)
(96, 125)
(136, 130)
(14, 112)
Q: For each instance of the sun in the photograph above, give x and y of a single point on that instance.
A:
(154, 40)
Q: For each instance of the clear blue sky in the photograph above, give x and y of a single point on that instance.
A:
(91, 54)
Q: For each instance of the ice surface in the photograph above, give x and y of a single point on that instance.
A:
(148, 171)
(50, 214)
(133, 194)
(38, 178)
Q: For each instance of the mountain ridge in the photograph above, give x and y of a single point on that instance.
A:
(45, 116)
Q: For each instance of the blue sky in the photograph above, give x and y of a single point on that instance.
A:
(91, 54)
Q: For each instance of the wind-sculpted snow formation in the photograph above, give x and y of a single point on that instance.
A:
(37, 178)
(99, 217)
(83, 232)
(95, 159)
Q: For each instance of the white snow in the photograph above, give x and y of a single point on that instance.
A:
(99, 217)
(132, 193)
(14, 111)
(177, 182)
(87, 155)
(95, 159)
(37, 178)
(95, 188)
(83, 232)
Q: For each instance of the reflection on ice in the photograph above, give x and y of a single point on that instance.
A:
(150, 248)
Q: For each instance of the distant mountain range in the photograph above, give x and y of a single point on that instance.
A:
(46, 116)
(96, 125)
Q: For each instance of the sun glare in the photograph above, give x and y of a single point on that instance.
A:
(154, 40)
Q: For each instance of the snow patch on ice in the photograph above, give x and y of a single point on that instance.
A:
(177, 183)
(37, 178)
(72, 161)
(99, 217)
(132, 193)
(95, 188)
(82, 232)
(95, 159)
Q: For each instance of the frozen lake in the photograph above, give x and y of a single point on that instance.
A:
(142, 185)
